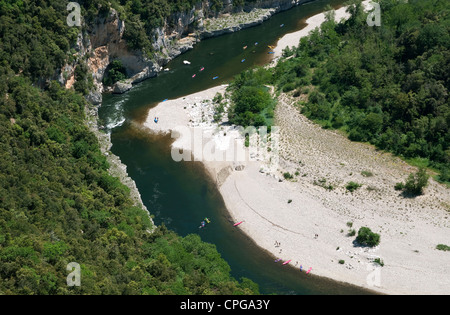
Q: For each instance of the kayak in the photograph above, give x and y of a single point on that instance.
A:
(215, 78)
(236, 224)
(271, 52)
(245, 47)
(287, 262)
(202, 69)
(165, 100)
(242, 60)
(271, 47)
(281, 25)
(194, 75)
(309, 270)
(186, 62)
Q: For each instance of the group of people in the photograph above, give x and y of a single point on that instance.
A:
(204, 222)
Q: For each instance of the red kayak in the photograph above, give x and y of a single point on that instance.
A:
(236, 224)
(287, 262)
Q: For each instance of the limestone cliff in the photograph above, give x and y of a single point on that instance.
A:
(103, 41)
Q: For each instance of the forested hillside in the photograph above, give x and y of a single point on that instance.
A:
(58, 204)
(387, 85)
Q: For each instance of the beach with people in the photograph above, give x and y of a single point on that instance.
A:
(302, 210)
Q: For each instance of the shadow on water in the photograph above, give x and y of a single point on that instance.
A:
(181, 195)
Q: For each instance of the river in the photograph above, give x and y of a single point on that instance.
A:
(180, 194)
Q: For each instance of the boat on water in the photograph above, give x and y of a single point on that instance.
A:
(204, 222)
(245, 47)
(165, 100)
(282, 25)
(271, 52)
(166, 69)
(194, 75)
(186, 62)
(242, 60)
(215, 78)
(203, 68)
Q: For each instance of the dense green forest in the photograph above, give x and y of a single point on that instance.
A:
(386, 85)
(58, 203)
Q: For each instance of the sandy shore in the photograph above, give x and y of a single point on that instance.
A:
(310, 221)
(293, 39)
(410, 229)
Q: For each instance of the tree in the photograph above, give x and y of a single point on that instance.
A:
(367, 238)
(415, 183)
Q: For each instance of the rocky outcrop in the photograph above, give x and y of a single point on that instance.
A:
(180, 32)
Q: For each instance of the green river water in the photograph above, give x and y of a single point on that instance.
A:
(180, 194)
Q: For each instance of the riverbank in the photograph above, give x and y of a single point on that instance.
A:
(307, 222)
(293, 39)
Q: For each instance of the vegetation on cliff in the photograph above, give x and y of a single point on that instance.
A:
(58, 203)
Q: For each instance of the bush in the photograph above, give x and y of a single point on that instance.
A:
(415, 183)
(352, 186)
(367, 238)
(443, 247)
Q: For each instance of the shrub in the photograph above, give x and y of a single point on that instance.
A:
(367, 238)
(443, 247)
(366, 173)
(399, 186)
(379, 262)
(415, 183)
(352, 186)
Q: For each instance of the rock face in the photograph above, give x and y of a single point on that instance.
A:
(104, 41)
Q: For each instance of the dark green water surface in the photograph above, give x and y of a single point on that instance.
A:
(180, 195)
